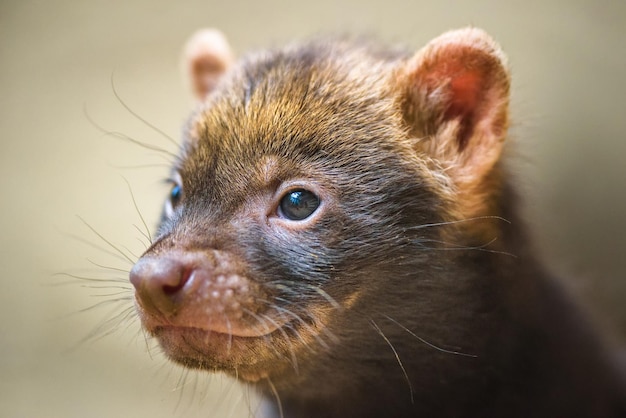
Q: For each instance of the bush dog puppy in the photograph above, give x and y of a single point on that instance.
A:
(343, 232)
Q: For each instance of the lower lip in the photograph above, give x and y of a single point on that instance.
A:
(199, 335)
(202, 345)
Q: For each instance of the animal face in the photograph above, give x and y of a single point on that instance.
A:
(303, 194)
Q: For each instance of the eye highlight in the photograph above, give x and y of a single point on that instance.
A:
(176, 194)
(174, 199)
(176, 189)
(298, 205)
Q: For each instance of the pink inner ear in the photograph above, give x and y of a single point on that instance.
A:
(465, 95)
(465, 90)
(457, 100)
(207, 57)
(462, 77)
(205, 73)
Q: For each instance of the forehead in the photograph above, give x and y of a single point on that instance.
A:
(279, 114)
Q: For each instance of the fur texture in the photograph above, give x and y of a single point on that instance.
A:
(411, 290)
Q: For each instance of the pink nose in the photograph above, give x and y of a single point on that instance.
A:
(199, 289)
(160, 281)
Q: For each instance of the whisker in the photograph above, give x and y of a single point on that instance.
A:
(81, 279)
(443, 350)
(131, 253)
(94, 245)
(240, 398)
(308, 327)
(106, 241)
(145, 246)
(135, 114)
(143, 221)
(109, 325)
(125, 291)
(143, 234)
(457, 247)
(287, 288)
(129, 318)
(325, 330)
(266, 328)
(216, 406)
(326, 296)
(270, 344)
(253, 412)
(194, 390)
(277, 397)
(395, 353)
(180, 385)
(266, 331)
(107, 267)
(125, 137)
(230, 333)
(477, 218)
(146, 340)
(104, 303)
(294, 360)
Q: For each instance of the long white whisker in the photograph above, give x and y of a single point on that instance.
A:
(310, 329)
(135, 114)
(499, 218)
(326, 296)
(125, 137)
(107, 241)
(279, 404)
(82, 279)
(395, 353)
(143, 221)
(457, 247)
(443, 350)
(294, 360)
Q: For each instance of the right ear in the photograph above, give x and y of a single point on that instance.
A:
(455, 94)
(207, 56)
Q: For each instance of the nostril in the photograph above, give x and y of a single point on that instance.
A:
(159, 281)
(171, 289)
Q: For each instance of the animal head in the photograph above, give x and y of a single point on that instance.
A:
(308, 181)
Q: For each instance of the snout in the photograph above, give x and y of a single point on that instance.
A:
(197, 289)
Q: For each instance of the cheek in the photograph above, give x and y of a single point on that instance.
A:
(301, 255)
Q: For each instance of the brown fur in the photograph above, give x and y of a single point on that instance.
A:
(390, 299)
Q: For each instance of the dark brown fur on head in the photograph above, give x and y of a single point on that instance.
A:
(390, 295)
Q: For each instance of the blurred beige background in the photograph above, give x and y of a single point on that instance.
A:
(57, 58)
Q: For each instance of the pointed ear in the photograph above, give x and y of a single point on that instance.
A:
(455, 99)
(207, 56)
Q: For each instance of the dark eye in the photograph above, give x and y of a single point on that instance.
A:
(176, 194)
(298, 205)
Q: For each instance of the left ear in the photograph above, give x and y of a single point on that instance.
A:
(455, 99)
(207, 56)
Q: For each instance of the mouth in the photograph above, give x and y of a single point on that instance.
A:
(211, 350)
(249, 349)
(181, 341)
